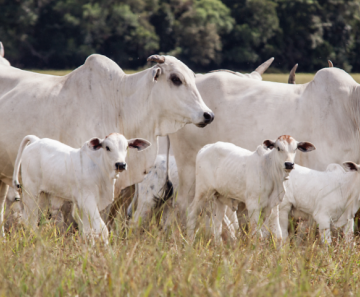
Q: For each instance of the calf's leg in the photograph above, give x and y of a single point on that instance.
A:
(217, 219)
(92, 221)
(31, 209)
(193, 212)
(348, 230)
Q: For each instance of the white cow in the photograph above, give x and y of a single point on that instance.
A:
(3, 61)
(232, 174)
(96, 99)
(329, 197)
(249, 111)
(156, 188)
(86, 176)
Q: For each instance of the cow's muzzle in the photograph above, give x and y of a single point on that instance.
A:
(208, 118)
(120, 166)
(289, 166)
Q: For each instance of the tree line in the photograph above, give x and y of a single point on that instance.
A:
(204, 34)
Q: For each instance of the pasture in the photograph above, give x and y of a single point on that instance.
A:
(151, 262)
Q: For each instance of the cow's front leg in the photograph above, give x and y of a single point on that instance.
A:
(91, 220)
(272, 224)
(3, 192)
(348, 230)
(254, 215)
(324, 230)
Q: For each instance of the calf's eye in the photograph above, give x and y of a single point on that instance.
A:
(279, 149)
(107, 148)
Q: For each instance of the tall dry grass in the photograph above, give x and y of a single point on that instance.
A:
(151, 262)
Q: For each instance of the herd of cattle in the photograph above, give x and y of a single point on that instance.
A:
(49, 124)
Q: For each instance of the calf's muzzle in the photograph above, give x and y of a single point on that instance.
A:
(120, 166)
(289, 165)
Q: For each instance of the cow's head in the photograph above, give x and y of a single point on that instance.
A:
(176, 93)
(114, 149)
(285, 150)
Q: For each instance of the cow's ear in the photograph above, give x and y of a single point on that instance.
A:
(95, 143)
(269, 144)
(138, 143)
(350, 166)
(156, 73)
(306, 146)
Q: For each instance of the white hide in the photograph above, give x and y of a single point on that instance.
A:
(97, 98)
(329, 197)
(324, 111)
(232, 174)
(53, 171)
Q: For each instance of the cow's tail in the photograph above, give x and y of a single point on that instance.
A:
(27, 139)
(168, 189)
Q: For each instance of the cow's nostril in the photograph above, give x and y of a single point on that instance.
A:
(289, 165)
(120, 166)
(209, 117)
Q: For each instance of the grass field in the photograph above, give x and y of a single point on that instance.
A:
(45, 263)
(301, 78)
(152, 263)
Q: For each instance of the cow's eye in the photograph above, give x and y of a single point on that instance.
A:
(176, 80)
(108, 149)
(278, 149)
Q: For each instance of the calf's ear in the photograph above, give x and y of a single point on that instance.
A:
(138, 143)
(95, 143)
(306, 146)
(350, 166)
(269, 144)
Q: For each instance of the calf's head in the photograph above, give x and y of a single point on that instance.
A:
(285, 150)
(113, 150)
(176, 92)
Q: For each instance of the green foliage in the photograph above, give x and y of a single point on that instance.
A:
(205, 34)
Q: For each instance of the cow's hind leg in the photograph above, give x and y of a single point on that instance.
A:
(3, 192)
(55, 210)
(193, 212)
(31, 208)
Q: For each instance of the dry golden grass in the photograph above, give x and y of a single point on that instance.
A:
(45, 263)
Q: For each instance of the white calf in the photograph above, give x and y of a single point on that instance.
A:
(155, 189)
(86, 176)
(232, 174)
(329, 197)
